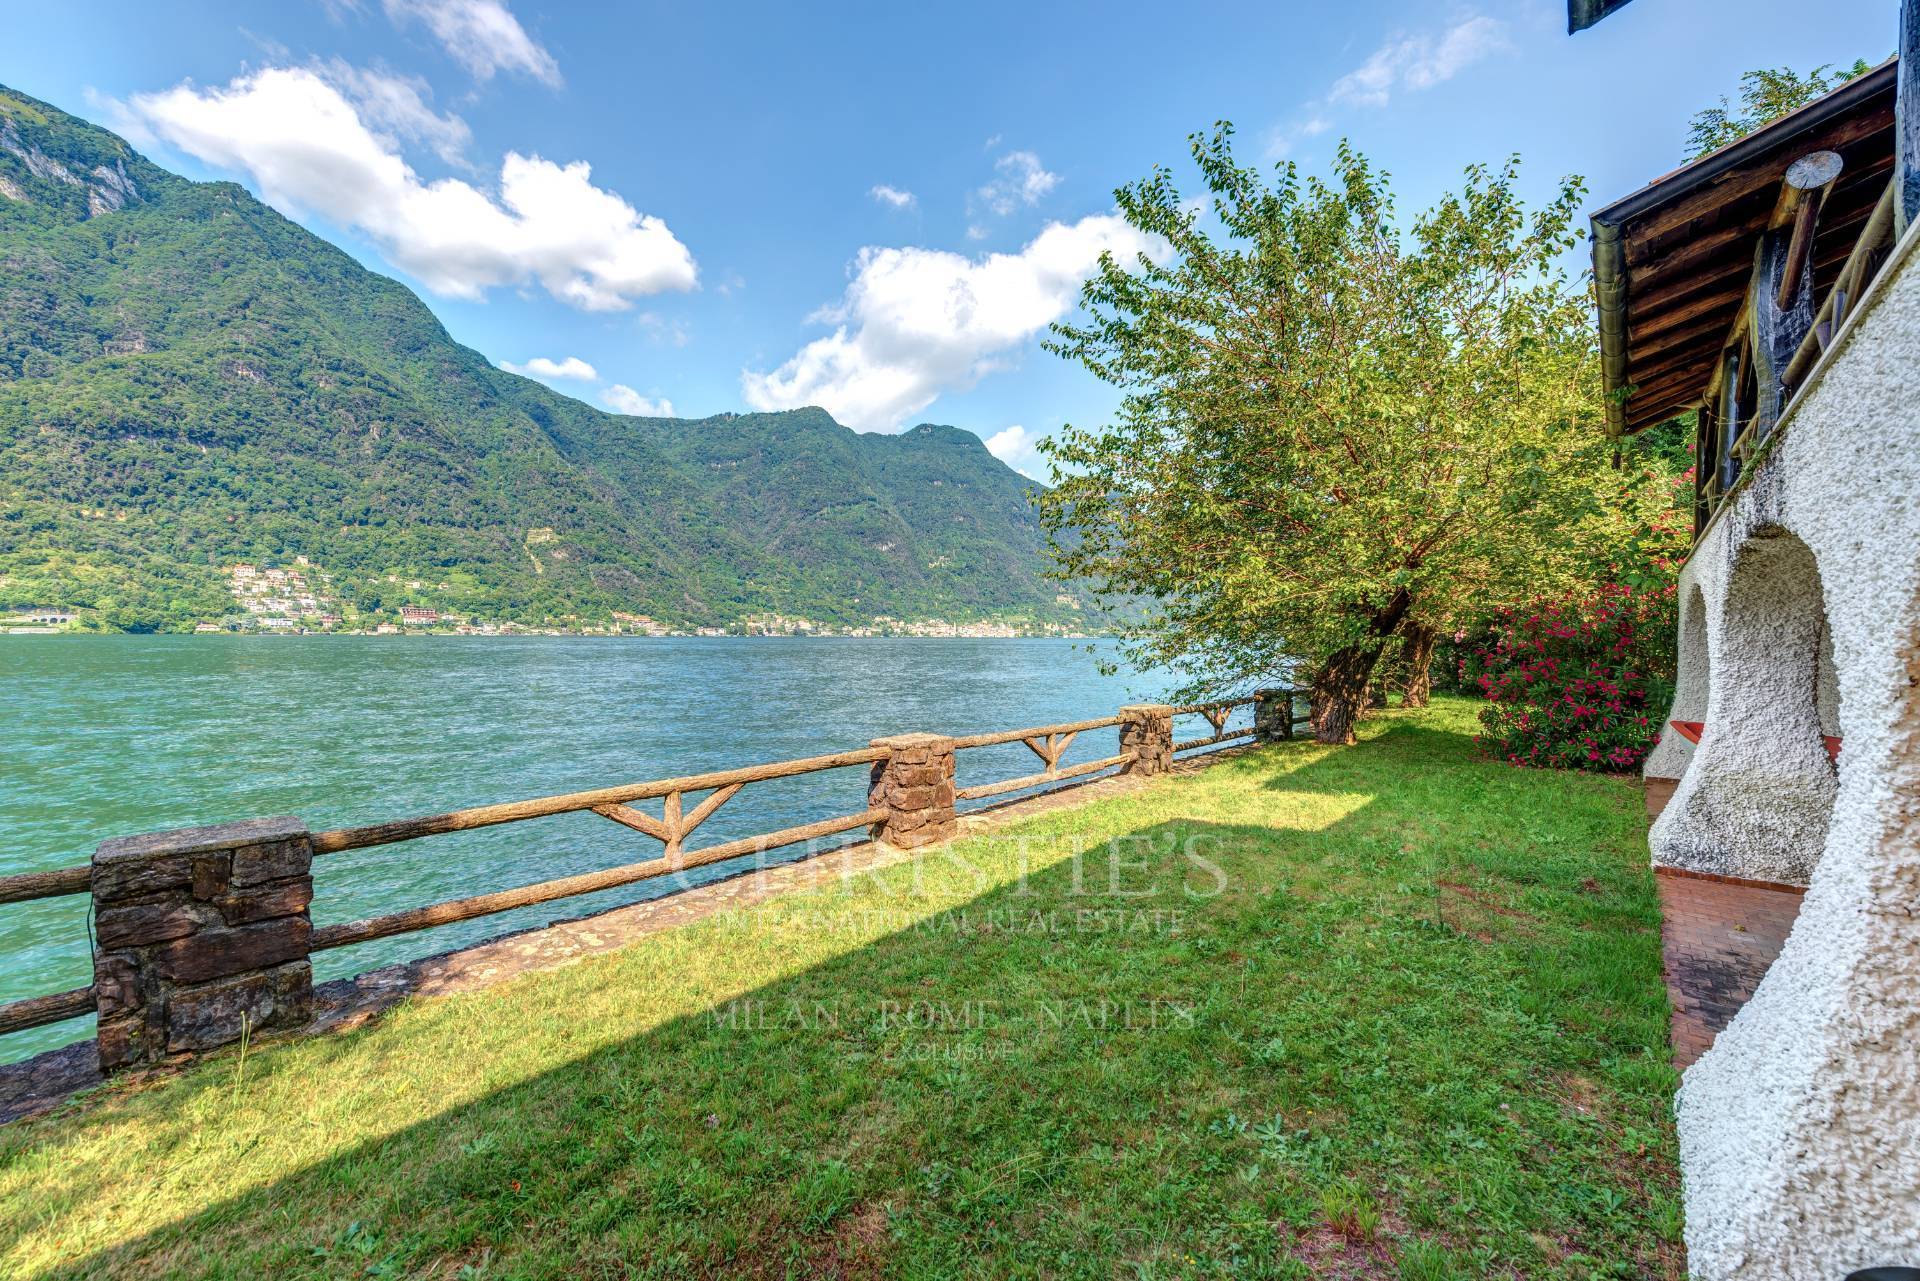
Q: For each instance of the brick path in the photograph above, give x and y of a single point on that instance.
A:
(1718, 937)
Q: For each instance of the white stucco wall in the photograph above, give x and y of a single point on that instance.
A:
(1800, 1128)
(1670, 755)
(1754, 800)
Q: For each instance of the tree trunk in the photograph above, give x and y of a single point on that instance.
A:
(1339, 691)
(1416, 646)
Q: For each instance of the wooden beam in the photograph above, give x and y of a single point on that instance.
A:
(704, 810)
(1732, 422)
(24, 886)
(1647, 262)
(352, 838)
(1034, 780)
(1683, 383)
(1714, 196)
(1015, 735)
(38, 1011)
(638, 820)
(422, 918)
(1725, 302)
(1808, 182)
(1649, 372)
(1714, 329)
(1874, 232)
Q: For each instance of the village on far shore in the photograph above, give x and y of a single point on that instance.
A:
(299, 599)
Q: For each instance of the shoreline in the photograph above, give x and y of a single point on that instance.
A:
(542, 634)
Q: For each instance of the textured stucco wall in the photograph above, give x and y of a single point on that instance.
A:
(1670, 755)
(1800, 1128)
(1754, 800)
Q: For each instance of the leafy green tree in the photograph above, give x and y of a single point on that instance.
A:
(1765, 96)
(1331, 423)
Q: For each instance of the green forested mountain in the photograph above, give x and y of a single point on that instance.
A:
(188, 379)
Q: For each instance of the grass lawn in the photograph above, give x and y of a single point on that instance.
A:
(1379, 1011)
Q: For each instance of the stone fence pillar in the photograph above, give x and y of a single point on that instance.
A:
(1272, 714)
(1146, 730)
(198, 934)
(914, 784)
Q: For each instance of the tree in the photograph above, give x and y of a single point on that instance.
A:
(1330, 425)
(1765, 96)
(1417, 642)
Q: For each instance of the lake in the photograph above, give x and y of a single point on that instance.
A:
(111, 735)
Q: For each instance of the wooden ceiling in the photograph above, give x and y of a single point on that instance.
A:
(1673, 260)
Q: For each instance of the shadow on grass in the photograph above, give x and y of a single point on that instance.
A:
(1280, 1043)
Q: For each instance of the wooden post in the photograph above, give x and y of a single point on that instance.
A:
(1704, 437)
(1906, 121)
(914, 785)
(1146, 730)
(1803, 193)
(1727, 463)
(201, 936)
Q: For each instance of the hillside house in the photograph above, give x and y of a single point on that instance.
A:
(416, 616)
(1770, 290)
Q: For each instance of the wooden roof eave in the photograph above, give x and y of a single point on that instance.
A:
(1680, 187)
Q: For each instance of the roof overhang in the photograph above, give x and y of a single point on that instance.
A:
(1672, 261)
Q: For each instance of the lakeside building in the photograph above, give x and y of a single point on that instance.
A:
(1770, 289)
(416, 616)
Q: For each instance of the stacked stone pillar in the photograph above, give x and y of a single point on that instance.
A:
(914, 785)
(1272, 715)
(200, 934)
(1146, 730)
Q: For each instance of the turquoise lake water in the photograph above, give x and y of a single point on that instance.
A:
(105, 736)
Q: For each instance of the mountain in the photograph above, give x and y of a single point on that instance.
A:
(189, 380)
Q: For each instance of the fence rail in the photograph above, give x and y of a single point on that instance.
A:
(1217, 714)
(27, 886)
(466, 909)
(37, 1011)
(408, 829)
(244, 906)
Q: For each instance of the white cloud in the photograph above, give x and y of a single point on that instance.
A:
(1014, 446)
(893, 196)
(1405, 63)
(541, 367)
(481, 35)
(309, 150)
(1020, 180)
(623, 399)
(1419, 61)
(916, 322)
(394, 108)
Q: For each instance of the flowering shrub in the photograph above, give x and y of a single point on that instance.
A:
(1578, 683)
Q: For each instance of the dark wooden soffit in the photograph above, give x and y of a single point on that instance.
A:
(1582, 14)
(1671, 262)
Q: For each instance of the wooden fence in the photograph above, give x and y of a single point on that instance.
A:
(205, 930)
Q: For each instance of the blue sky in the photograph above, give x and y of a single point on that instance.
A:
(875, 207)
